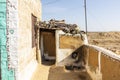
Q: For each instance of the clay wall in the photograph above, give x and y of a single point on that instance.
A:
(70, 42)
(26, 53)
(104, 62)
(66, 44)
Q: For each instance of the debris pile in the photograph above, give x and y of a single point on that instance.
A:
(57, 24)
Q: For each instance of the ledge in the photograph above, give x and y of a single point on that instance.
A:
(106, 52)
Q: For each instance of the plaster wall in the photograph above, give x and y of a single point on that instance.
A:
(104, 63)
(110, 68)
(65, 45)
(69, 42)
(93, 59)
(27, 55)
(8, 32)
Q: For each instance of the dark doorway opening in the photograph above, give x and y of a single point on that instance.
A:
(48, 46)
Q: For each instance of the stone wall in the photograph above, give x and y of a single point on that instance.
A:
(104, 63)
(27, 55)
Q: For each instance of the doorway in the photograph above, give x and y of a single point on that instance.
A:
(48, 46)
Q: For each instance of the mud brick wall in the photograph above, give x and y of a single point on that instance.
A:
(110, 68)
(27, 55)
(104, 62)
(70, 42)
(93, 59)
(66, 44)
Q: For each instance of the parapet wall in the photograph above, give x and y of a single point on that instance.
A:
(104, 62)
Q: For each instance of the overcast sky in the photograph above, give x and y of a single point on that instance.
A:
(103, 15)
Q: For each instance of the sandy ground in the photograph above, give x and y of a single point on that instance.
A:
(108, 40)
(59, 73)
(41, 73)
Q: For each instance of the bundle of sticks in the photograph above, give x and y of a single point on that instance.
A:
(59, 24)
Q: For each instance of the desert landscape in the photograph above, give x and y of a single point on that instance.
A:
(108, 40)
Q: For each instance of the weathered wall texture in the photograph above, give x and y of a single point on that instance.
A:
(8, 27)
(93, 59)
(27, 54)
(70, 42)
(110, 68)
(100, 63)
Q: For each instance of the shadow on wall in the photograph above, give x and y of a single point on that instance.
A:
(77, 60)
(99, 65)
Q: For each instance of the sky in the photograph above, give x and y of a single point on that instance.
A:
(102, 15)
